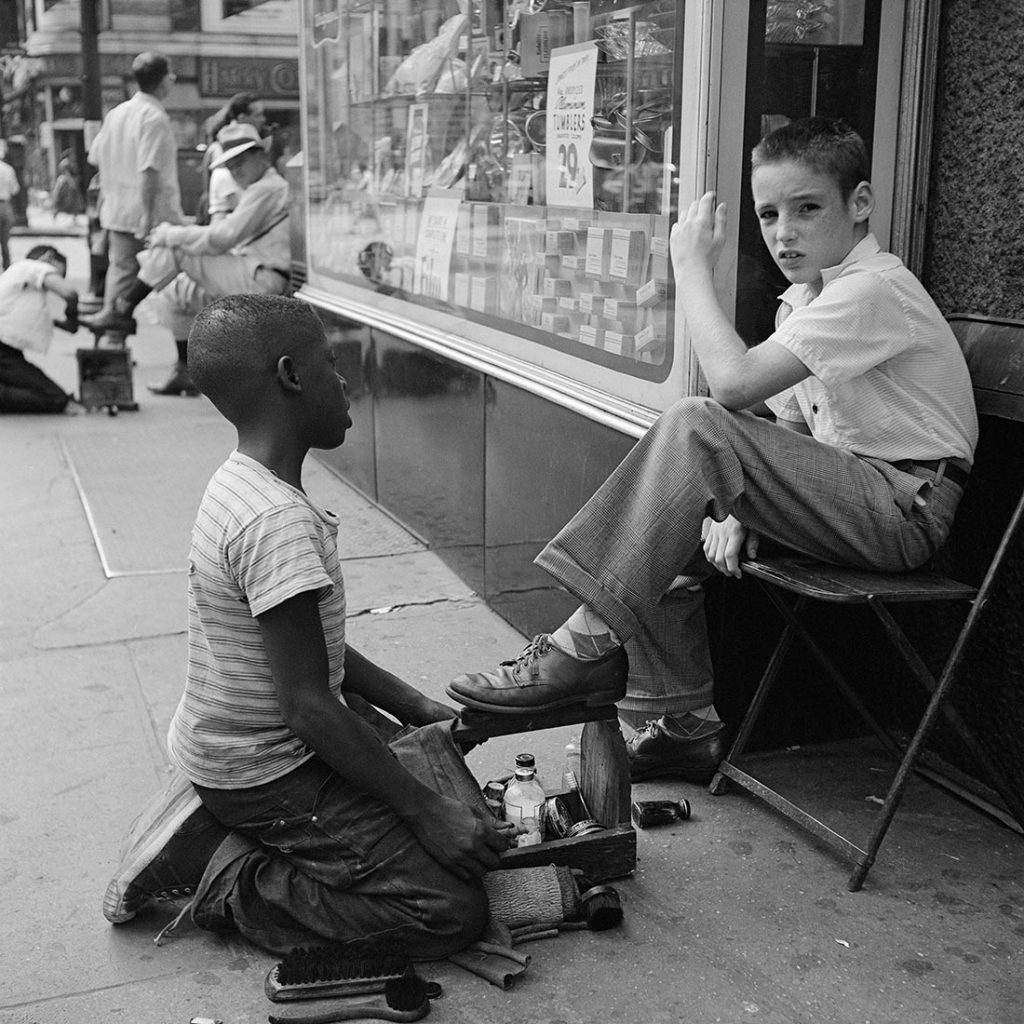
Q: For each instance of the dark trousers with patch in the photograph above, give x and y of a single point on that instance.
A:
(24, 387)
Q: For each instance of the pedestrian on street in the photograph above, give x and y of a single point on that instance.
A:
(248, 251)
(136, 155)
(9, 188)
(221, 194)
(26, 325)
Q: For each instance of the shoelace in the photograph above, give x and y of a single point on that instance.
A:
(531, 654)
(168, 928)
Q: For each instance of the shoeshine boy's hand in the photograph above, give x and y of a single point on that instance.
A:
(699, 237)
(460, 838)
(724, 541)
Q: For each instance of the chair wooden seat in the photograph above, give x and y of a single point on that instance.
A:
(989, 532)
(822, 582)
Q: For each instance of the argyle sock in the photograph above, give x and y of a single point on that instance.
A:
(585, 635)
(688, 723)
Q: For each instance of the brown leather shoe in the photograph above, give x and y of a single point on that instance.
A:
(542, 678)
(659, 751)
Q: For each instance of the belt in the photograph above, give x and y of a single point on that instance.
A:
(957, 471)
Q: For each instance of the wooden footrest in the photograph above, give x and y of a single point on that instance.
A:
(475, 726)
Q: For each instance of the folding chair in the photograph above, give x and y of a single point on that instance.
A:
(995, 356)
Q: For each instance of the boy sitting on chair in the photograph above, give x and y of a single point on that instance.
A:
(311, 830)
(864, 466)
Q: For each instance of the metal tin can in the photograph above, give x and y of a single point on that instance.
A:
(557, 819)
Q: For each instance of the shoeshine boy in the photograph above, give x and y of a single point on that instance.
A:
(864, 464)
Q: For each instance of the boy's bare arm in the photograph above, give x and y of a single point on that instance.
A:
(388, 692)
(55, 283)
(451, 832)
(737, 377)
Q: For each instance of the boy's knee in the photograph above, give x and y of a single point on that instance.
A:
(455, 919)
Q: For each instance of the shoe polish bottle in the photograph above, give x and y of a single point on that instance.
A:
(529, 761)
(523, 806)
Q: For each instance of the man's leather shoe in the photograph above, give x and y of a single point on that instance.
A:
(659, 751)
(108, 320)
(179, 383)
(542, 678)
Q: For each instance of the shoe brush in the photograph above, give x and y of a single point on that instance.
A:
(405, 999)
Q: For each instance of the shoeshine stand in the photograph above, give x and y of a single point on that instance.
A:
(105, 376)
(604, 787)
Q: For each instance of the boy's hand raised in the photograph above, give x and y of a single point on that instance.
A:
(461, 838)
(699, 236)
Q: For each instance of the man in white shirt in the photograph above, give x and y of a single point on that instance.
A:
(9, 188)
(136, 155)
(246, 252)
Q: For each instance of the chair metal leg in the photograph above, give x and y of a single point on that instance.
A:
(718, 784)
(923, 675)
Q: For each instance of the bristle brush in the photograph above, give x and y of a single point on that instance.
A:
(405, 999)
(323, 972)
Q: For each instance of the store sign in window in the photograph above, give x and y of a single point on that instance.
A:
(511, 162)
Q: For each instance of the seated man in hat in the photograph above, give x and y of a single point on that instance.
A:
(246, 252)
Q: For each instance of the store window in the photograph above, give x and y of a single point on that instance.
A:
(807, 58)
(507, 161)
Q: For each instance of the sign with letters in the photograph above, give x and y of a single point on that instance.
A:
(570, 106)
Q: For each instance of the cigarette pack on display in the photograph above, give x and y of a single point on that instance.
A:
(619, 343)
(650, 337)
(539, 34)
(560, 242)
(548, 261)
(464, 232)
(628, 255)
(599, 248)
(651, 293)
(575, 263)
(460, 284)
(483, 293)
(556, 287)
(577, 223)
(591, 303)
(590, 335)
(661, 266)
(568, 304)
(620, 309)
(532, 309)
(486, 219)
(555, 323)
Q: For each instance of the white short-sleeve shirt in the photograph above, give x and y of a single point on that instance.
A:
(888, 379)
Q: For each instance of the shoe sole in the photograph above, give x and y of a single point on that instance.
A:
(594, 700)
(136, 860)
(701, 775)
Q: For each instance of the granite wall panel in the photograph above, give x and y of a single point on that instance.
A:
(974, 259)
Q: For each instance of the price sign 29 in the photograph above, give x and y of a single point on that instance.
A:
(569, 167)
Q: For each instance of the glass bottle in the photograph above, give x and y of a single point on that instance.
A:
(523, 806)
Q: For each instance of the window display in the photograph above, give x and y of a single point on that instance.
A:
(510, 161)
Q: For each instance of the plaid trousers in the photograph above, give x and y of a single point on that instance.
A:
(622, 551)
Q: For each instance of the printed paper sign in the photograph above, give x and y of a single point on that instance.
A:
(571, 79)
(434, 243)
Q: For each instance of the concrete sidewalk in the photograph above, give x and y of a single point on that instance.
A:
(732, 916)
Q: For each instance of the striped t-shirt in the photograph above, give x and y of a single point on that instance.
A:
(888, 379)
(257, 542)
